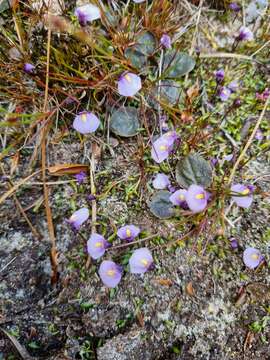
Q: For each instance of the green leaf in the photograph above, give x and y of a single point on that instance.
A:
(177, 64)
(161, 206)
(125, 121)
(138, 53)
(169, 93)
(193, 169)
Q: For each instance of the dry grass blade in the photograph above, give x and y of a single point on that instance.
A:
(21, 350)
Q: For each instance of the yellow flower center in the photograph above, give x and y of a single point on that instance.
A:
(163, 147)
(98, 244)
(111, 272)
(255, 256)
(128, 232)
(181, 197)
(144, 262)
(127, 77)
(73, 217)
(246, 191)
(84, 117)
(199, 196)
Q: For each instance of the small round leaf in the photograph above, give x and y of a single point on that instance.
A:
(169, 93)
(125, 121)
(177, 64)
(193, 169)
(161, 206)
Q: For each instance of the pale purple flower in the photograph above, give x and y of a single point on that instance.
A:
(165, 41)
(78, 218)
(224, 93)
(196, 198)
(179, 197)
(234, 6)
(80, 177)
(252, 257)
(110, 273)
(128, 232)
(259, 135)
(233, 86)
(171, 188)
(140, 261)
(129, 84)
(87, 13)
(28, 68)
(228, 157)
(246, 199)
(161, 181)
(138, 1)
(96, 246)
(214, 161)
(86, 122)
(220, 75)
(245, 34)
(163, 146)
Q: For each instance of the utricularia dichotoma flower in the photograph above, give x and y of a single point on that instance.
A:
(163, 146)
(224, 93)
(196, 198)
(165, 41)
(179, 198)
(86, 122)
(80, 177)
(242, 195)
(252, 257)
(140, 261)
(96, 246)
(87, 13)
(78, 218)
(110, 273)
(128, 232)
(28, 68)
(220, 75)
(129, 84)
(161, 181)
(234, 6)
(245, 34)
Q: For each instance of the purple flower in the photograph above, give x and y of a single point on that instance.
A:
(228, 157)
(161, 181)
(259, 135)
(224, 93)
(28, 68)
(128, 232)
(220, 75)
(252, 257)
(235, 6)
(110, 273)
(196, 198)
(179, 197)
(264, 95)
(138, 1)
(80, 177)
(129, 84)
(163, 146)
(214, 161)
(78, 218)
(86, 122)
(96, 246)
(140, 261)
(165, 41)
(87, 13)
(245, 200)
(245, 34)
(233, 86)
(234, 243)
(91, 197)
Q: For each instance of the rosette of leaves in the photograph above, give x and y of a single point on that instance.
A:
(193, 169)
(168, 92)
(161, 206)
(138, 54)
(125, 121)
(177, 64)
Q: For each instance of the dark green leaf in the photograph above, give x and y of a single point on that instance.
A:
(125, 121)
(177, 64)
(193, 169)
(138, 53)
(161, 206)
(169, 93)
(137, 59)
